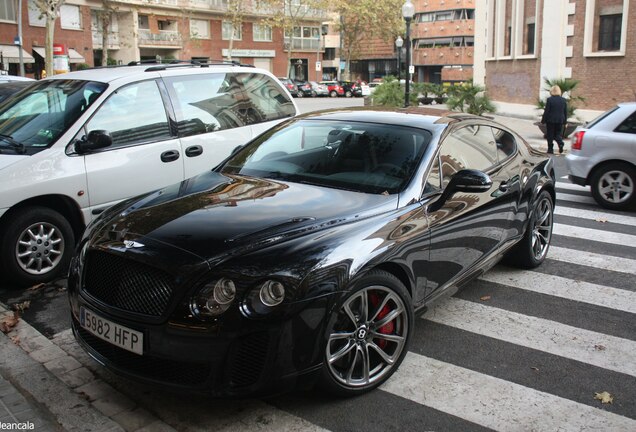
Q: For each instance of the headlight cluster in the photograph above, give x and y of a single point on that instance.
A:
(216, 297)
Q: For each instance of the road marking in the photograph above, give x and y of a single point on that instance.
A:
(495, 403)
(574, 198)
(538, 333)
(595, 235)
(614, 298)
(590, 259)
(572, 186)
(594, 215)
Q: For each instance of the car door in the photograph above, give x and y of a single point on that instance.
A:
(468, 226)
(144, 154)
(508, 175)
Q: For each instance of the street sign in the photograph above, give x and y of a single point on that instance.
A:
(318, 66)
(411, 69)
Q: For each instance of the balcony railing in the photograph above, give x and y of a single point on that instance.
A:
(164, 37)
(303, 44)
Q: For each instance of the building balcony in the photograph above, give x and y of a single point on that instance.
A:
(168, 38)
(304, 44)
(113, 40)
(443, 56)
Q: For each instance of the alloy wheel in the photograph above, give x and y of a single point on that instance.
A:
(40, 248)
(368, 338)
(542, 229)
(615, 186)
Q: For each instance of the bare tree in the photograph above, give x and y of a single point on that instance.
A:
(235, 15)
(50, 10)
(104, 22)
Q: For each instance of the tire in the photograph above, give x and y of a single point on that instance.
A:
(314, 94)
(49, 238)
(300, 94)
(348, 93)
(614, 186)
(533, 247)
(333, 93)
(362, 349)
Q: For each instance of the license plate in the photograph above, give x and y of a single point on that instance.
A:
(116, 334)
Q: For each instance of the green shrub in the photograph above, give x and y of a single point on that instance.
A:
(567, 86)
(82, 66)
(391, 94)
(469, 98)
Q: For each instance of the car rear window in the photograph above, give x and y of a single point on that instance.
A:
(600, 118)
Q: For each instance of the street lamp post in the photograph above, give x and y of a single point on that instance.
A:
(398, 44)
(408, 10)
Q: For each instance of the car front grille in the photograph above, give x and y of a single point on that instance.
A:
(126, 284)
(249, 360)
(153, 368)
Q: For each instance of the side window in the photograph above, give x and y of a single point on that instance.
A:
(628, 125)
(471, 147)
(268, 100)
(207, 103)
(506, 144)
(133, 114)
(433, 180)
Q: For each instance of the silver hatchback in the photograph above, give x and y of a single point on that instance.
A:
(604, 156)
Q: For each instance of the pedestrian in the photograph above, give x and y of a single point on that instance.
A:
(554, 117)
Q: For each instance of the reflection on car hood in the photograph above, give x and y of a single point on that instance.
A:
(10, 159)
(211, 215)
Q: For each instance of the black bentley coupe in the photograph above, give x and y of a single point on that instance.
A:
(303, 257)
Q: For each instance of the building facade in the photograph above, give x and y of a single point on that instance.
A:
(166, 30)
(442, 40)
(524, 41)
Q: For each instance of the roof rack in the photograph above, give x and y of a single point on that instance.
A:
(194, 63)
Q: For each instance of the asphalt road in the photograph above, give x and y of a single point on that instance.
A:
(513, 350)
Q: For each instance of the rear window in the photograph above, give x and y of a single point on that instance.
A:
(600, 118)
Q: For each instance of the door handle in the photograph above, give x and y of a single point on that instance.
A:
(169, 156)
(504, 186)
(193, 151)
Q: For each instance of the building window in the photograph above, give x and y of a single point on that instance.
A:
(609, 33)
(447, 15)
(70, 17)
(262, 33)
(7, 10)
(36, 18)
(529, 48)
(228, 28)
(330, 54)
(142, 21)
(199, 29)
(305, 38)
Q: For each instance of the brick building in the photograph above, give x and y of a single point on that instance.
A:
(442, 35)
(526, 40)
(166, 29)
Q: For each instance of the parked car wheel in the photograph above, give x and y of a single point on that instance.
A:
(300, 94)
(369, 335)
(613, 185)
(333, 93)
(313, 93)
(348, 93)
(531, 251)
(37, 245)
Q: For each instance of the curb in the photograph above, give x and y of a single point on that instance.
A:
(54, 377)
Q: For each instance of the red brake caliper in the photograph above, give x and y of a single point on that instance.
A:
(387, 328)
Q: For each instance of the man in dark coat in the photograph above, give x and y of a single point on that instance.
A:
(554, 117)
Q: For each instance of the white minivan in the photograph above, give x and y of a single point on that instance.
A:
(74, 144)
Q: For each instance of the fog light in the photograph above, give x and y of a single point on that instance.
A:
(272, 293)
(224, 291)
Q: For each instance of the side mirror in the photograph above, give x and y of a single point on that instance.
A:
(96, 139)
(467, 180)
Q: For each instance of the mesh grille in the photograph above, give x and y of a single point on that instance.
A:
(249, 360)
(127, 284)
(146, 366)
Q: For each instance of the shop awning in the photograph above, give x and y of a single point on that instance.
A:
(73, 56)
(10, 54)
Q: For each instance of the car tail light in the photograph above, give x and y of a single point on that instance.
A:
(578, 140)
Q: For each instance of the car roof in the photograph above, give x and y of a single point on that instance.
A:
(110, 74)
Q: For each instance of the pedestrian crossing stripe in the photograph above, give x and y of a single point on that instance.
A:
(591, 259)
(595, 215)
(574, 198)
(594, 235)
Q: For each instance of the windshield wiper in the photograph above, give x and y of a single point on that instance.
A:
(17, 146)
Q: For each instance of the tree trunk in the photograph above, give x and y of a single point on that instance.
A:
(231, 45)
(289, 53)
(48, 41)
(105, 32)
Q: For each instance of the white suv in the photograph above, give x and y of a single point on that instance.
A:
(74, 144)
(604, 156)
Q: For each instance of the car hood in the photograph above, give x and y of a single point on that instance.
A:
(214, 215)
(10, 159)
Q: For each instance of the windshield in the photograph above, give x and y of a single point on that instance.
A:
(34, 119)
(363, 157)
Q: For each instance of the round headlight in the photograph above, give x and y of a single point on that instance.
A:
(272, 293)
(224, 291)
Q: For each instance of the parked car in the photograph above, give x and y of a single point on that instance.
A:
(306, 256)
(351, 88)
(373, 85)
(603, 156)
(75, 144)
(318, 89)
(334, 88)
(14, 78)
(291, 87)
(304, 88)
(12, 87)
